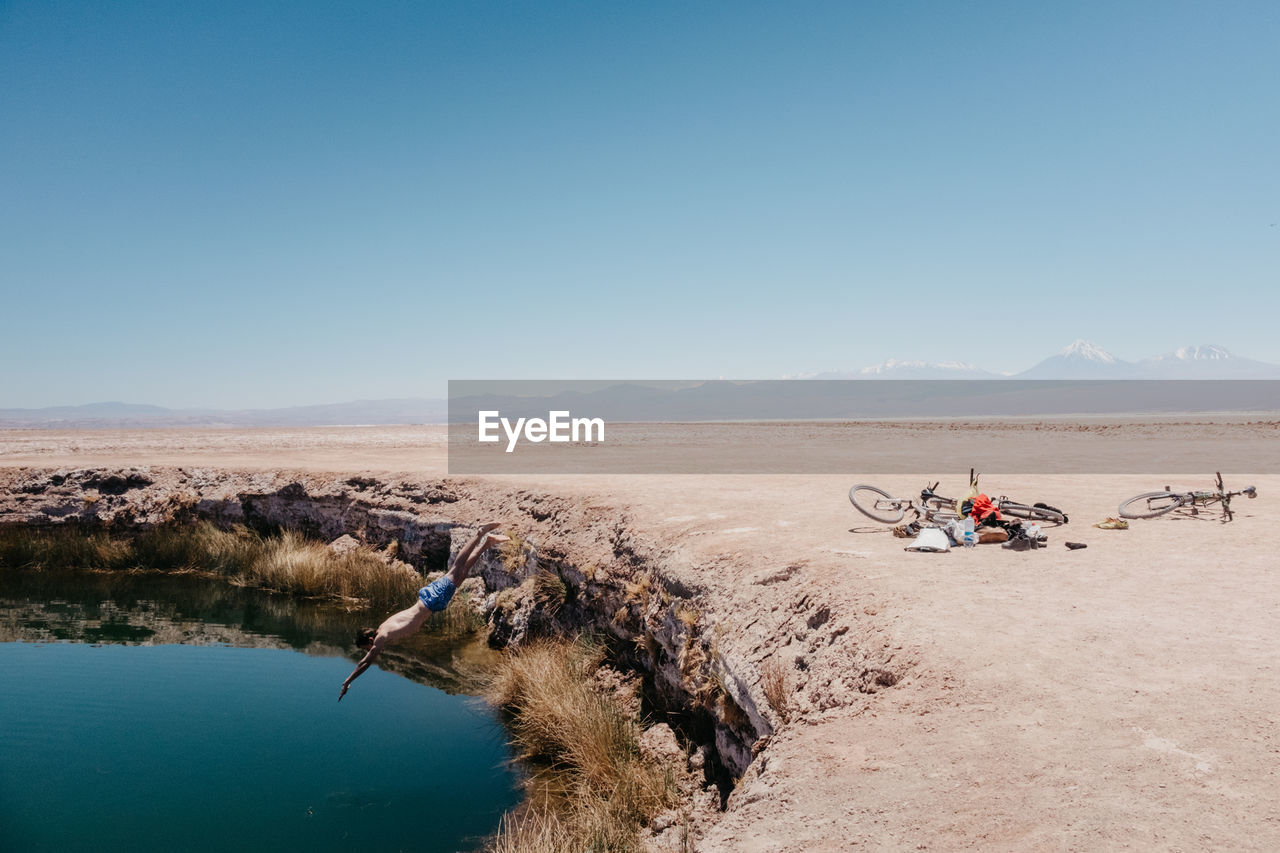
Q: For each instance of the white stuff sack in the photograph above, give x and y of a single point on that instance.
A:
(931, 540)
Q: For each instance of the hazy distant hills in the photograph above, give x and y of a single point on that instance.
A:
(410, 410)
(894, 369)
(985, 393)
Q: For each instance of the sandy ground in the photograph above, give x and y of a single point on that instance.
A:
(1124, 696)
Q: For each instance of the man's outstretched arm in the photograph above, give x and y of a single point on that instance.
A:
(365, 662)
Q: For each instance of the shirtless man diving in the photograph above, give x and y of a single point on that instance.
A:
(431, 598)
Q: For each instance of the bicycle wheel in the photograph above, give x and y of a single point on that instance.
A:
(1031, 513)
(1150, 505)
(878, 504)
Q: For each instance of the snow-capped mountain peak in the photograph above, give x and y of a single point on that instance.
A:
(893, 365)
(1208, 352)
(1088, 351)
(1206, 362)
(1081, 360)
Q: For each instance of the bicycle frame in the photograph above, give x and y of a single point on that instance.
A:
(1159, 503)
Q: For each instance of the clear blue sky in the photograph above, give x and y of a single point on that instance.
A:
(259, 204)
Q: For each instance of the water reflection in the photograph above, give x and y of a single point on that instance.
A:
(158, 713)
(150, 608)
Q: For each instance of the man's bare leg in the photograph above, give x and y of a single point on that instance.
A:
(465, 553)
(484, 539)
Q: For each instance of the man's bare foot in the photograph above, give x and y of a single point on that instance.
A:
(495, 539)
(485, 528)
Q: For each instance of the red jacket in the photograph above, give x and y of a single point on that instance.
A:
(983, 507)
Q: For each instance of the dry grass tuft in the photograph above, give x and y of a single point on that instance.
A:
(688, 615)
(287, 562)
(693, 659)
(550, 592)
(776, 684)
(291, 563)
(639, 591)
(532, 831)
(509, 598)
(600, 791)
(514, 552)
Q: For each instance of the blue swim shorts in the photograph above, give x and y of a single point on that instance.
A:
(436, 594)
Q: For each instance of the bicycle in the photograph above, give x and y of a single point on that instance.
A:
(877, 504)
(1152, 504)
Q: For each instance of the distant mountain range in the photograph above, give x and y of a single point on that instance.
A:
(1081, 360)
(894, 369)
(410, 410)
(1084, 360)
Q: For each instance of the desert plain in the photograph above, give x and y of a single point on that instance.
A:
(1124, 696)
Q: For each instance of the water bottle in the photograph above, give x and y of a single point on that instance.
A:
(970, 537)
(1033, 531)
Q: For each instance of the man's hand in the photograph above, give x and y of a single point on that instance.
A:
(345, 687)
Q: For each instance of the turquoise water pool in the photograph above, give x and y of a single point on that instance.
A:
(116, 745)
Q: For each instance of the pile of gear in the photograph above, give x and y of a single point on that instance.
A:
(980, 522)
